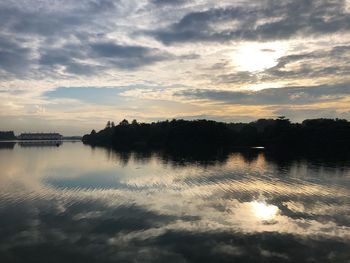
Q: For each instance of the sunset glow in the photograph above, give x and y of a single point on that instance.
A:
(69, 66)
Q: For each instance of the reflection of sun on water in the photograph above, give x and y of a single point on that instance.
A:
(264, 211)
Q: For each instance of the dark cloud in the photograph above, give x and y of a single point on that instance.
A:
(276, 96)
(46, 26)
(105, 55)
(76, 26)
(300, 114)
(48, 21)
(79, 26)
(98, 6)
(168, 2)
(196, 26)
(127, 56)
(13, 58)
(82, 69)
(62, 55)
(269, 21)
(115, 50)
(69, 56)
(236, 77)
(312, 64)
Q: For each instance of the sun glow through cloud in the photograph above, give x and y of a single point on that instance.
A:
(254, 57)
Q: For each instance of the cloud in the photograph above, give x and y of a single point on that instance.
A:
(303, 113)
(275, 96)
(128, 56)
(269, 21)
(38, 33)
(14, 59)
(330, 62)
(90, 58)
(71, 57)
(168, 2)
(50, 19)
(73, 37)
(236, 77)
(45, 45)
(95, 95)
(318, 63)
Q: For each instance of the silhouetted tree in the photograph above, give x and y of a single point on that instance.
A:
(277, 133)
(7, 135)
(124, 122)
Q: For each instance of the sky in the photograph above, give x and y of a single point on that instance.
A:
(70, 66)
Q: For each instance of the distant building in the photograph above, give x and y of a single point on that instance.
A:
(40, 136)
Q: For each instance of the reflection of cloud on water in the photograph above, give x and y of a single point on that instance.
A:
(238, 211)
(119, 220)
(110, 221)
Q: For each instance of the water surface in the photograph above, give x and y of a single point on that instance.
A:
(74, 203)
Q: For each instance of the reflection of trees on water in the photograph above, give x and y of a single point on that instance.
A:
(7, 145)
(25, 144)
(286, 159)
(174, 158)
(206, 143)
(40, 143)
(283, 161)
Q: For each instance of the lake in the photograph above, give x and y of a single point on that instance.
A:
(76, 203)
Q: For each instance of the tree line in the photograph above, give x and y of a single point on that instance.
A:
(280, 133)
(7, 135)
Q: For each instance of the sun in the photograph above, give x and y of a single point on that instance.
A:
(254, 57)
(264, 211)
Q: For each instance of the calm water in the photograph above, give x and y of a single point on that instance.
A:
(74, 203)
